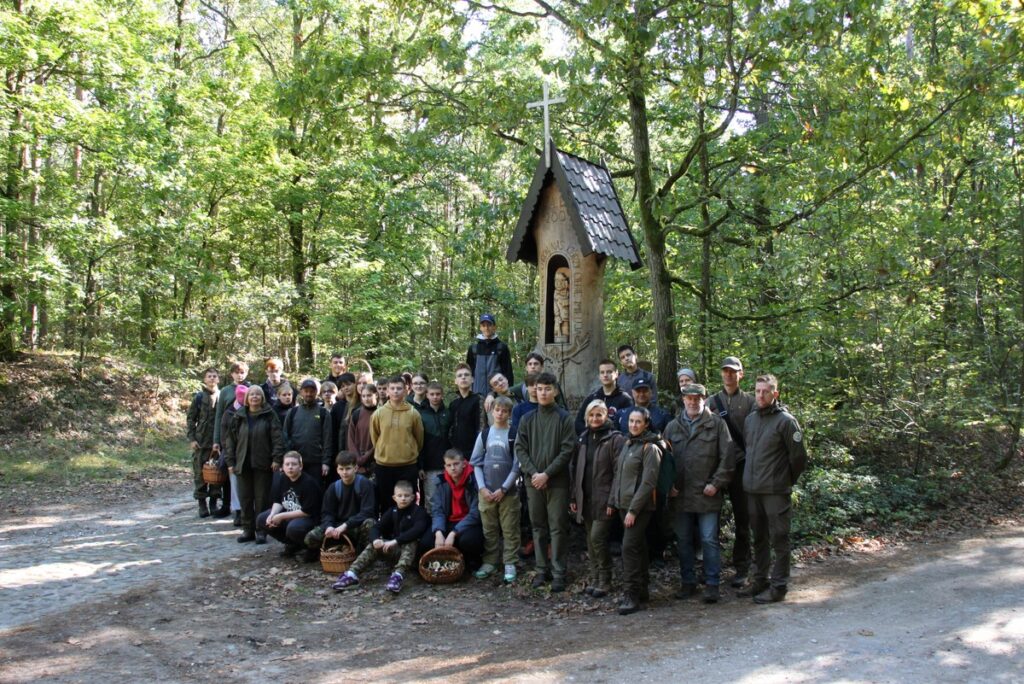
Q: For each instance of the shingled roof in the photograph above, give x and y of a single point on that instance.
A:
(593, 208)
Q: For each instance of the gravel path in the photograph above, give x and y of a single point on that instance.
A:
(108, 596)
(51, 562)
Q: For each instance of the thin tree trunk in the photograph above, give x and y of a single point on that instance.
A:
(661, 292)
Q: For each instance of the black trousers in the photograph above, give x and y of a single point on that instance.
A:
(292, 533)
(469, 541)
(741, 515)
(253, 493)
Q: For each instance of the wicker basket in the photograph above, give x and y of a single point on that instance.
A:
(213, 475)
(336, 559)
(452, 565)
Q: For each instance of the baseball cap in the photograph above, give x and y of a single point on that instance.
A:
(487, 318)
(733, 363)
(694, 388)
(641, 383)
(309, 382)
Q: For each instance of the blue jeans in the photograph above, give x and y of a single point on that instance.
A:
(683, 525)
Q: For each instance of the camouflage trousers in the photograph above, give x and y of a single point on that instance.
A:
(405, 553)
(360, 536)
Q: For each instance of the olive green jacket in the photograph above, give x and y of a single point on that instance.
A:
(704, 457)
(261, 446)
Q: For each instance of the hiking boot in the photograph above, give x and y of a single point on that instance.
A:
(237, 522)
(394, 584)
(773, 595)
(204, 511)
(739, 579)
(346, 580)
(557, 585)
(711, 593)
(753, 589)
(602, 588)
(686, 591)
(246, 537)
(261, 537)
(540, 579)
(289, 551)
(629, 604)
(510, 574)
(310, 555)
(485, 571)
(222, 512)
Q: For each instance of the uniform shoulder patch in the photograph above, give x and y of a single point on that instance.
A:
(798, 436)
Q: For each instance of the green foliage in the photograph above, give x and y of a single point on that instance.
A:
(835, 502)
(837, 192)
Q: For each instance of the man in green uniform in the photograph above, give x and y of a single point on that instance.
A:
(776, 456)
(544, 445)
(733, 405)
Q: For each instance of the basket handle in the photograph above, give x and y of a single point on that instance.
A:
(344, 539)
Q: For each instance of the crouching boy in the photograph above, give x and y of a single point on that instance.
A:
(454, 511)
(496, 470)
(296, 500)
(397, 534)
(349, 508)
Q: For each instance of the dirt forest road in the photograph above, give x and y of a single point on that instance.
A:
(129, 593)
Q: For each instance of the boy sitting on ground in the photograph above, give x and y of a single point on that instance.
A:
(296, 500)
(349, 508)
(397, 534)
(454, 511)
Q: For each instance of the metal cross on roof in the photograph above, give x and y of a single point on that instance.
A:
(544, 103)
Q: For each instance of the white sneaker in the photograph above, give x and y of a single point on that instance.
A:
(510, 573)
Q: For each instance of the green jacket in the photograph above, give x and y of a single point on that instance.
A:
(704, 457)
(544, 444)
(261, 446)
(776, 454)
(201, 417)
(226, 399)
(636, 479)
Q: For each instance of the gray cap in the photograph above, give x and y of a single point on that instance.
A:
(733, 363)
(688, 372)
(694, 388)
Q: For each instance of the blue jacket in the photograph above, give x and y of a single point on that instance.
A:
(441, 504)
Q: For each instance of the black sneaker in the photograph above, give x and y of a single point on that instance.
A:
(289, 551)
(261, 537)
(557, 585)
(204, 511)
(540, 579)
(711, 593)
(246, 537)
(738, 580)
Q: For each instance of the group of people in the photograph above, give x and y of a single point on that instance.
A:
(502, 469)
